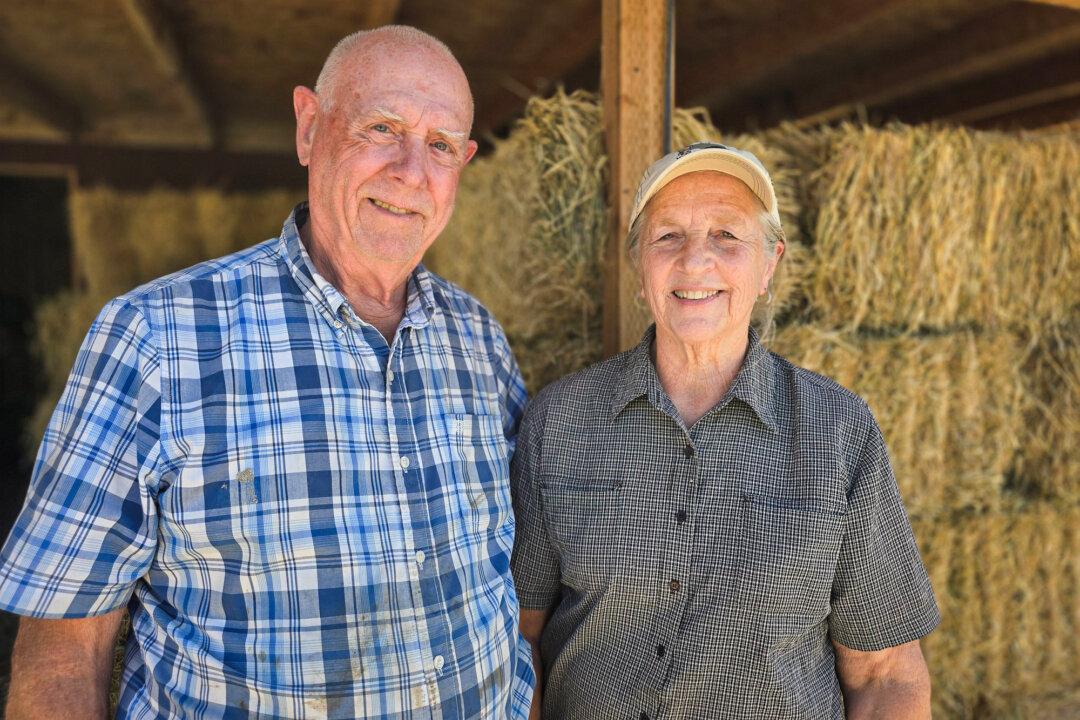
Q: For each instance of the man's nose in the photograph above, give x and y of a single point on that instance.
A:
(409, 165)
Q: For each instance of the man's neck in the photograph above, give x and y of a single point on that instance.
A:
(377, 295)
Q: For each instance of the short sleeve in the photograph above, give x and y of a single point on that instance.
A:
(535, 563)
(881, 594)
(87, 531)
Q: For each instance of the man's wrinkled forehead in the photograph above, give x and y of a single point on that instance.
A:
(385, 70)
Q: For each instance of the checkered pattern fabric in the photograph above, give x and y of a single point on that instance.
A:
(702, 573)
(308, 522)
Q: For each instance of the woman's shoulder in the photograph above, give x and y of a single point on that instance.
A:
(816, 390)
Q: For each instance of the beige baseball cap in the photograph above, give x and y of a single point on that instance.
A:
(707, 156)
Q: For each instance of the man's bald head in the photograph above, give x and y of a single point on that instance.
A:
(370, 42)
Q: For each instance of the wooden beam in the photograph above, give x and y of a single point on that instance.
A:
(159, 38)
(806, 29)
(31, 96)
(633, 51)
(1018, 103)
(562, 53)
(140, 168)
(1001, 38)
(382, 12)
(1062, 113)
(1025, 86)
(1071, 4)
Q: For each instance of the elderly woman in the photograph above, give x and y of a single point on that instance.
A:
(705, 530)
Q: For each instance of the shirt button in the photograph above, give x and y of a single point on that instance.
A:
(680, 517)
(674, 585)
(688, 451)
(337, 324)
(404, 462)
(439, 662)
(389, 376)
(420, 556)
(660, 651)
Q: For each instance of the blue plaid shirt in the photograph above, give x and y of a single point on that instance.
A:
(307, 522)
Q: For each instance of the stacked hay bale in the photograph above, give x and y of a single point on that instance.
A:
(942, 287)
(933, 271)
(527, 235)
(122, 239)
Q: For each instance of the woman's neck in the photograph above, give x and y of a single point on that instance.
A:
(696, 377)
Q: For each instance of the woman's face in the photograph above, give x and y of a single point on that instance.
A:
(702, 258)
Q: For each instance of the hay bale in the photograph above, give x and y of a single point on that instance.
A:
(1008, 584)
(950, 406)
(937, 227)
(527, 235)
(122, 239)
(1049, 460)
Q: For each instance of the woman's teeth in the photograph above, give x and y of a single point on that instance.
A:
(695, 294)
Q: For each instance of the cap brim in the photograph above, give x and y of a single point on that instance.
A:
(718, 160)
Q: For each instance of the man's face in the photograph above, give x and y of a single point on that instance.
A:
(384, 161)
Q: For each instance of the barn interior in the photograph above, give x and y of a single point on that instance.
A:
(141, 136)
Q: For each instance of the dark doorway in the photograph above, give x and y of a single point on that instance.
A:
(35, 262)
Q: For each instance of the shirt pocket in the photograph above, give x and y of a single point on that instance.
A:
(584, 521)
(480, 453)
(788, 556)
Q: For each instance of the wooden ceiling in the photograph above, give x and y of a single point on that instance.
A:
(139, 83)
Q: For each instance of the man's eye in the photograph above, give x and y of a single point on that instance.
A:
(667, 236)
(726, 235)
(381, 128)
(441, 146)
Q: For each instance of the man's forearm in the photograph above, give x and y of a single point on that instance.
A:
(61, 668)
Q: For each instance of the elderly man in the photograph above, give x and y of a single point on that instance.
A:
(704, 529)
(291, 464)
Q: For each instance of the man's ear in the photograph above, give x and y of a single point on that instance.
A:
(306, 107)
(470, 150)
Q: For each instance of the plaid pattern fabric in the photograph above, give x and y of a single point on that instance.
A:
(702, 573)
(310, 523)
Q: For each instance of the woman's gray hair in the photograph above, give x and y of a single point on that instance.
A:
(326, 83)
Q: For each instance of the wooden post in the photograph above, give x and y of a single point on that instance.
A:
(633, 52)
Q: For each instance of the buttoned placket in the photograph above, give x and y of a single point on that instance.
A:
(407, 470)
(676, 535)
(410, 485)
(678, 525)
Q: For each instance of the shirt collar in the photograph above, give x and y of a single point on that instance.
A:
(753, 385)
(419, 305)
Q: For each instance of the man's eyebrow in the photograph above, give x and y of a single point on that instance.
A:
(387, 115)
(452, 134)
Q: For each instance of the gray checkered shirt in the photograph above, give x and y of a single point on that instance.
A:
(703, 573)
